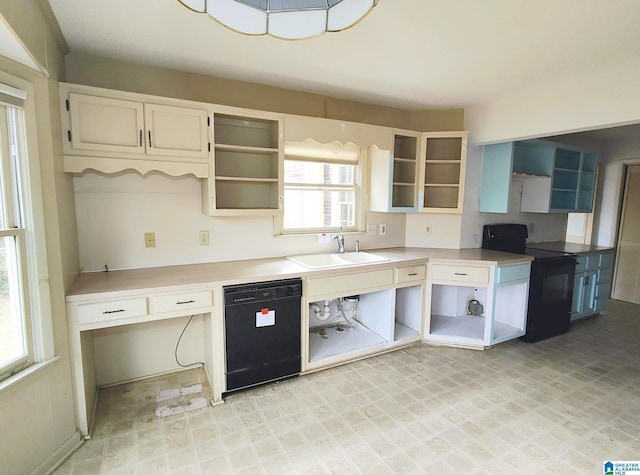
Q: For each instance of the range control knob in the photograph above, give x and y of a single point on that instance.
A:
(288, 291)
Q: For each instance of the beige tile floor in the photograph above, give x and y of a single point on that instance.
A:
(563, 405)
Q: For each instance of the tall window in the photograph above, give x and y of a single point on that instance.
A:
(321, 193)
(16, 350)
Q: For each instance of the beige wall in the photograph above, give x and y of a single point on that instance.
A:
(37, 414)
(108, 73)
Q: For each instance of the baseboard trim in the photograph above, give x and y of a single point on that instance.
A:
(57, 458)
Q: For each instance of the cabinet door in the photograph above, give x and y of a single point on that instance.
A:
(105, 124)
(589, 294)
(578, 294)
(443, 169)
(176, 131)
(497, 166)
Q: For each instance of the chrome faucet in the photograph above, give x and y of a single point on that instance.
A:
(340, 239)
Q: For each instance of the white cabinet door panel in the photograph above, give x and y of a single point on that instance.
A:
(176, 131)
(105, 124)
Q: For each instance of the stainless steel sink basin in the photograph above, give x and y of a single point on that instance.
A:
(323, 261)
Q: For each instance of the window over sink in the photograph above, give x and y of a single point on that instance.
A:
(322, 188)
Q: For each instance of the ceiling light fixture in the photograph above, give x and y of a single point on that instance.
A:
(285, 19)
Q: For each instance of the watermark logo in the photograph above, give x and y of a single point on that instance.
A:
(621, 468)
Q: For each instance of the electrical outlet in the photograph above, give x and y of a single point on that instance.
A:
(383, 230)
(372, 229)
(531, 226)
(204, 238)
(427, 228)
(149, 239)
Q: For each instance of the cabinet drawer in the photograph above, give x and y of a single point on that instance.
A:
(593, 261)
(606, 260)
(411, 273)
(511, 273)
(582, 263)
(112, 310)
(459, 273)
(349, 284)
(181, 301)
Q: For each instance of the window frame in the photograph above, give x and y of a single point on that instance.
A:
(318, 155)
(31, 243)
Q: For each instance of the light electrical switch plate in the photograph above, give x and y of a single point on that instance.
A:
(427, 228)
(204, 238)
(383, 230)
(149, 239)
(372, 229)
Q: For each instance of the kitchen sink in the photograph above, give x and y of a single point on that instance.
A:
(322, 261)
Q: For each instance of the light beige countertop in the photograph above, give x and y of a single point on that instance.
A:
(122, 283)
(561, 246)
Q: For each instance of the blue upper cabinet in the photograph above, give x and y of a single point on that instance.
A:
(556, 178)
(497, 167)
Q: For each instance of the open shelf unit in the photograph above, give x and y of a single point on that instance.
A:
(405, 171)
(246, 165)
(443, 164)
(394, 174)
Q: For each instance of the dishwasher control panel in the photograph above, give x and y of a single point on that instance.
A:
(262, 292)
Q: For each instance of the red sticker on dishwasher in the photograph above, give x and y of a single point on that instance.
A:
(265, 311)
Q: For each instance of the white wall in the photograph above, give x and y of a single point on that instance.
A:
(37, 420)
(445, 230)
(590, 100)
(113, 213)
(584, 101)
(616, 154)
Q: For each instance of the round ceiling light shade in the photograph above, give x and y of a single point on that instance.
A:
(286, 19)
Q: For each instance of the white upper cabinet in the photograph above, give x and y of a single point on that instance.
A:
(423, 171)
(105, 124)
(443, 172)
(111, 131)
(394, 174)
(246, 170)
(176, 131)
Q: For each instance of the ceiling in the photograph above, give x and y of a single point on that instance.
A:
(413, 54)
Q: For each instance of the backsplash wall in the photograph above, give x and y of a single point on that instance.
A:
(114, 212)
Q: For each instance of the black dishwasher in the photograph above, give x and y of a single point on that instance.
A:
(262, 332)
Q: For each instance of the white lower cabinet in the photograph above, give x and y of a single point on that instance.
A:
(476, 306)
(141, 317)
(351, 316)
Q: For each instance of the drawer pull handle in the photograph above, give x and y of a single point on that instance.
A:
(411, 274)
(185, 301)
(106, 312)
(460, 273)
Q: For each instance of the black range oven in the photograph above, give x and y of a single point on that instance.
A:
(551, 281)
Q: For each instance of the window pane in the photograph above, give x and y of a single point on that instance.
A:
(305, 208)
(318, 173)
(12, 341)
